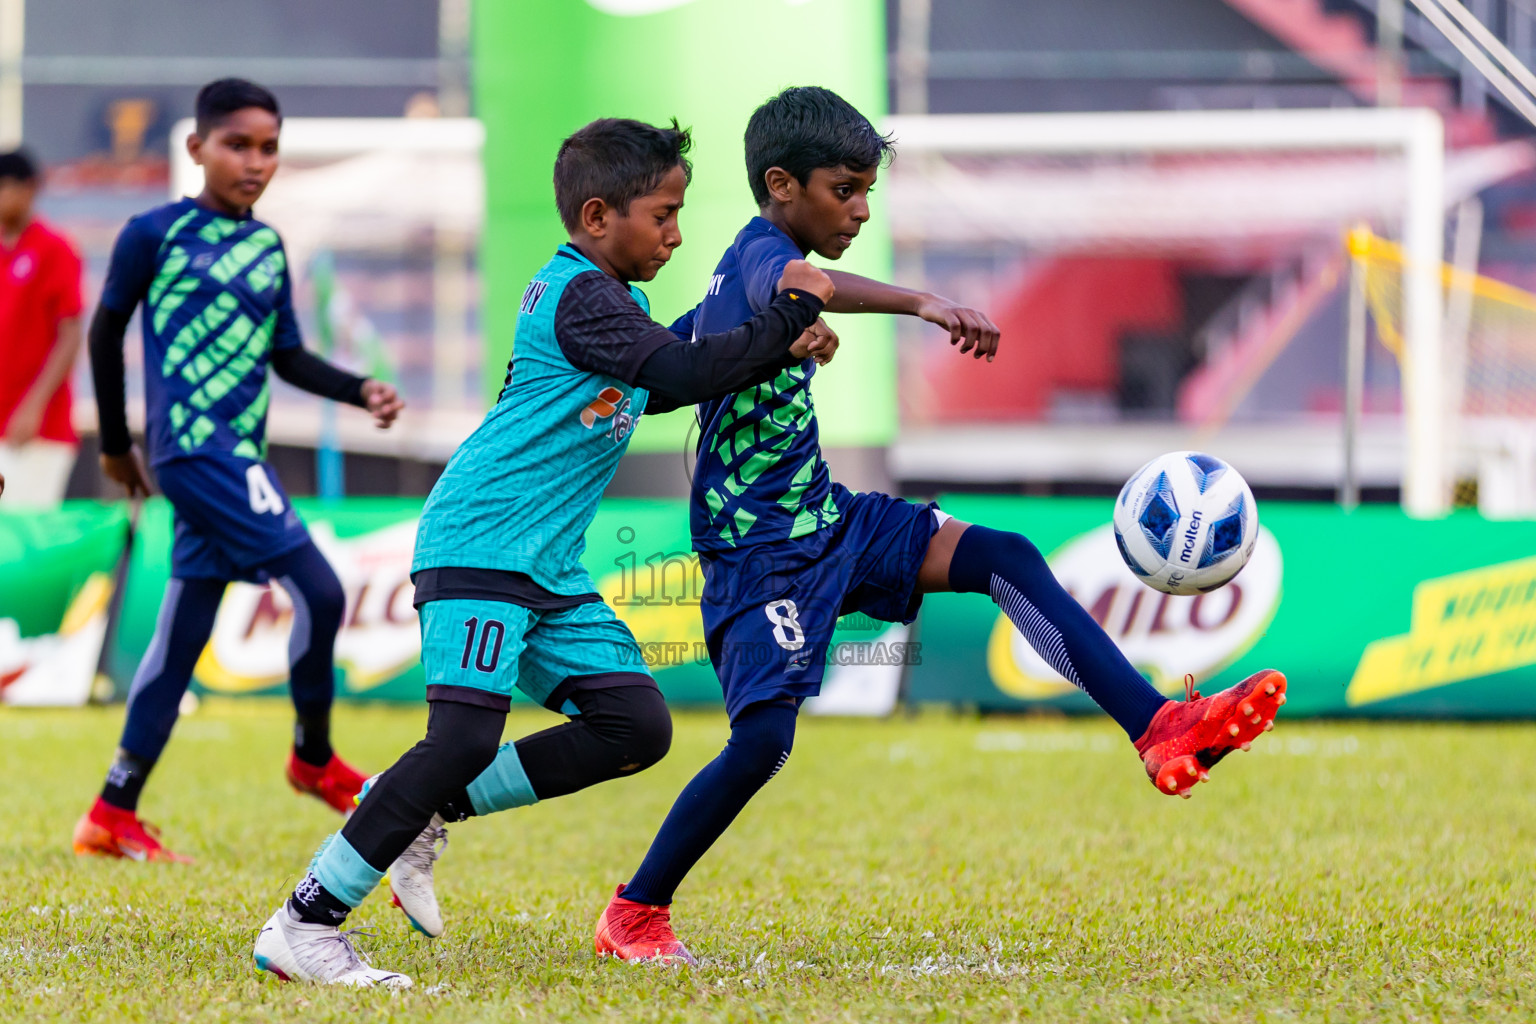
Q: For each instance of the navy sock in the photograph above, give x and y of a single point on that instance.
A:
(312, 736)
(154, 701)
(318, 606)
(313, 903)
(125, 780)
(1011, 569)
(761, 739)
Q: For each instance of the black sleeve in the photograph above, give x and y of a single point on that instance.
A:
(602, 329)
(681, 373)
(307, 371)
(108, 328)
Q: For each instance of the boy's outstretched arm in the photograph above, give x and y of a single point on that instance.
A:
(819, 341)
(682, 374)
(969, 328)
(308, 372)
(600, 329)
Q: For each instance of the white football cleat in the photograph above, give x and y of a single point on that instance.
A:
(410, 879)
(295, 950)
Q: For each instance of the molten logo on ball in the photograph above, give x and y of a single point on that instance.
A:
(1193, 500)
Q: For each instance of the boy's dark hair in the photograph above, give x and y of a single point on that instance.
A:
(618, 161)
(806, 127)
(17, 165)
(221, 98)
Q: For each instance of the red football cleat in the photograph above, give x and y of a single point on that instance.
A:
(1185, 738)
(107, 831)
(639, 933)
(337, 784)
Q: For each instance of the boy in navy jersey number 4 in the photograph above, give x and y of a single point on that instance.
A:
(217, 307)
(504, 600)
(785, 550)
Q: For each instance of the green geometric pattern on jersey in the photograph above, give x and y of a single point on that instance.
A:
(754, 433)
(217, 349)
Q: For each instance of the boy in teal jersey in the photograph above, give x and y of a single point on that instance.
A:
(216, 295)
(786, 550)
(504, 600)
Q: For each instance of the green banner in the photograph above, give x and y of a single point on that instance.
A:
(1368, 613)
(1381, 614)
(637, 550)
(542, 70)
(55, 587)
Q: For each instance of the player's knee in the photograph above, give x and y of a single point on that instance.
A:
(983, 554)
(633, 721)
(650, 729)
(762, 738)
(307, 572)
(327, 600)
(1015, 547)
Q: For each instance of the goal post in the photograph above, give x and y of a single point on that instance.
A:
(1415, 135)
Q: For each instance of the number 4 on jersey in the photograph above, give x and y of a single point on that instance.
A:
(264, 497)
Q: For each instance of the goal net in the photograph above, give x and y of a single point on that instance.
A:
(1488, 363)
(1170, 280)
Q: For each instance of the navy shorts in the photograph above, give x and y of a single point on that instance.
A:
(770, 609)
(232, 517)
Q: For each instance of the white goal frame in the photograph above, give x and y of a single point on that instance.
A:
(1416, 133)
(334, 137)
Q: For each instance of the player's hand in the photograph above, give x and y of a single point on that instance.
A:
(800, 274)
(819, 341)
(25, 422)
(128, 470)
(384, 402)
(969, 328)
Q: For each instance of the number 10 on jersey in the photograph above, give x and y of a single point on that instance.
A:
(489, 651)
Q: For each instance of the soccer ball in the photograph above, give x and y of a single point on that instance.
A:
(1186, 523)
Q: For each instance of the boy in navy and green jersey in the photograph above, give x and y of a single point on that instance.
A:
(504, 600)
(216, 295)
(785, 550)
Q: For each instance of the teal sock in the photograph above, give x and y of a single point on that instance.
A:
(503, 785)
(343, 872)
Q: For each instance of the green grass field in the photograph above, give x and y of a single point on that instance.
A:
(939, 868)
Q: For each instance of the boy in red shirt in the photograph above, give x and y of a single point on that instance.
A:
(39, 339)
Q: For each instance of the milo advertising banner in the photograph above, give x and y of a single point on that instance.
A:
(56, 571)
(1367, 613)
(637, 551)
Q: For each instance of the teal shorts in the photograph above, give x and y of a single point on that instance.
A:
(478, 652)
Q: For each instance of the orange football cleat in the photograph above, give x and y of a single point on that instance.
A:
(107, 831)
(1188, 737)
(337, 783)
(639, 933)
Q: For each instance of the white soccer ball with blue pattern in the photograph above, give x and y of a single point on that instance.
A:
(1186, 523)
